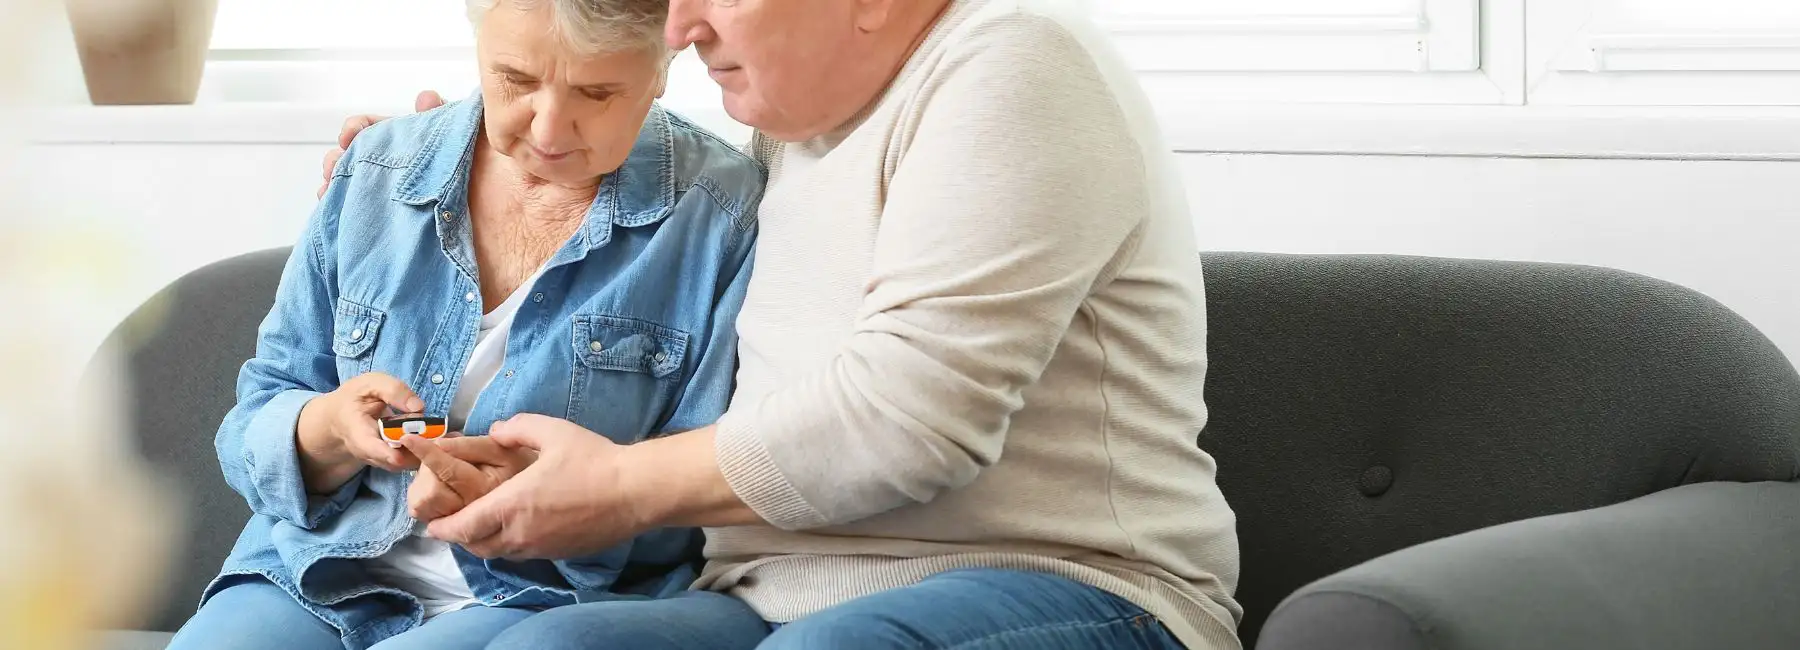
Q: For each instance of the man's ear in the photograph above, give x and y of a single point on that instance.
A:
(872, 15)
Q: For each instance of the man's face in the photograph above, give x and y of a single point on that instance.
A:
(787, 67)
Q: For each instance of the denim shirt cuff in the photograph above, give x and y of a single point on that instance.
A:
(272, 453)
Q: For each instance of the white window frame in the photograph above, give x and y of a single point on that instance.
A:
(1447, 52)
(1573, 64)
(376, 79)
(1616, 96)
(1438, 36)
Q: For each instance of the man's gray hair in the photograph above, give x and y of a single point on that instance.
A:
(596, 26)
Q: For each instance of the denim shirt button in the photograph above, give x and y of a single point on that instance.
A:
(539, 297)
(356, 335)
(437, 379)
(595, 346)
(448, 215)
(469, 297)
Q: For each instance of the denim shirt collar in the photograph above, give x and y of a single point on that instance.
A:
(641, 192)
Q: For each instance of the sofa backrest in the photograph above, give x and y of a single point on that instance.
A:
(1363, 404)
(182, 351)
(1359, 404)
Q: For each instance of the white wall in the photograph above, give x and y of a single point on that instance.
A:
(1727, 228)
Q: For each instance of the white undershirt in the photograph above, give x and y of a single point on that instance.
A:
(420, 565)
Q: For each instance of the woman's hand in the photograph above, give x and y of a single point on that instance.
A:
(457, 471)
(338, 433)
(424, 102)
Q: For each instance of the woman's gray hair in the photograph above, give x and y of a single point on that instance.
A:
(596, 26)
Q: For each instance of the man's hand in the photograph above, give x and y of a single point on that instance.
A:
(424, 102)
(568, 503)
(456, 471)
(584, 493)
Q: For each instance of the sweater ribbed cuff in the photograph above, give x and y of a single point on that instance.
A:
(758, 481)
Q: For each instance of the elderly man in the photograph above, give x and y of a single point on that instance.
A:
(971, 356)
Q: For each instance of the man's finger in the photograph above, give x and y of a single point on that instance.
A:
(531, 431)
(461, 477)
(478, 450)
(427, 100)
(354, 126)
(331, 161)
(491, 548)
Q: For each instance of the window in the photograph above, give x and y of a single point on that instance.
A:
(1468, 52)
(1297, 35)
(246, 27)
(1665, 52)
(1368, 51)
(1556, 52)
(376, 55)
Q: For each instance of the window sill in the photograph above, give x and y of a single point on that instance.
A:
(244, 124)
(1657, 133)
(1635, 133)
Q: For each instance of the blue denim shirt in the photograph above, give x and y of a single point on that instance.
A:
(629, 332)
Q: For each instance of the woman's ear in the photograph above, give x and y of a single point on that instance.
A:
(662, 77)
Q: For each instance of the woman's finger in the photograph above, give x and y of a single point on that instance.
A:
(461, 477)
(428, 499)
(362, 436)
(477, 525)
(393, 392)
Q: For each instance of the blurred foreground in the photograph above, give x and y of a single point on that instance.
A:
(86, 525)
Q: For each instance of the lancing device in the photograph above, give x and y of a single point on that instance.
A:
(393, 428)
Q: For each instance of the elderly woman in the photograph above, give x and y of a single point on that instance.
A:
(556, 244)
(972, 360)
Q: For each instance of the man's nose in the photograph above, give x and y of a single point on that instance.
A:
(687, 23)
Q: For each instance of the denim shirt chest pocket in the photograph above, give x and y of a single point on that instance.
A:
(626, 376)
(354, 330)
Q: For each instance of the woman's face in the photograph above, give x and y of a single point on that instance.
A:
(562, 116)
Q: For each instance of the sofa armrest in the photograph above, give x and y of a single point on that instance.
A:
(1699, 567)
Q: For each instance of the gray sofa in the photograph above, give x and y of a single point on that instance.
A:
(1423, 453)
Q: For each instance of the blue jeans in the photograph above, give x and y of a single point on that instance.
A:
(976, 609)
(258, 615)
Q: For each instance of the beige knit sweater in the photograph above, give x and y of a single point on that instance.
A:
(975, 336)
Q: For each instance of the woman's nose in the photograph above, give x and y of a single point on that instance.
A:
(550, 125)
